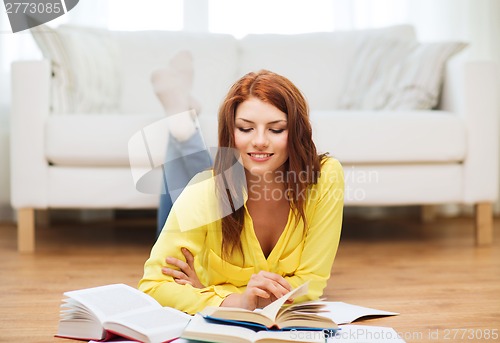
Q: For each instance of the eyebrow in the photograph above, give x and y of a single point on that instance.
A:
(271, 122)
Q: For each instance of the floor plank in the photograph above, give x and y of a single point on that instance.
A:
(432, 273)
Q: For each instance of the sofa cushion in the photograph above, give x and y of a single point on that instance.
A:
(85, 77)
(390, 136)
(395, 75)
(101, 71)
(102, 140)
(318, 63)
(351, 136)
(92, 139)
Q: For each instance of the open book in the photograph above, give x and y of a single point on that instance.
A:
(343, 313)
(101, 312)
(203, 330)
(276, 315)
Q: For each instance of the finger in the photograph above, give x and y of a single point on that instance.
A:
(183, 282)
(276, 289)
(277, 278)
(174, 273)
(180, 264)
(269, 286)
(259, 292)
(189, 257)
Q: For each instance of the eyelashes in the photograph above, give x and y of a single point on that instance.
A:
(244, 130)
(247, 130)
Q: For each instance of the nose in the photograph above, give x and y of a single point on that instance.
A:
(260, 139)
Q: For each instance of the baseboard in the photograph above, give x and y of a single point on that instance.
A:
(7, 214)
(81, 215)
(496, 208)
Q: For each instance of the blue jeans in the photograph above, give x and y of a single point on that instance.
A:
(183, 161)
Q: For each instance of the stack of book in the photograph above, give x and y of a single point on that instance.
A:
(119, 311)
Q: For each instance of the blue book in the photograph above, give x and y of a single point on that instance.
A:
(275, 316)
(202, 330)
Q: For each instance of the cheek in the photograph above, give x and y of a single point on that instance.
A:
(239, 140)
(282, 142)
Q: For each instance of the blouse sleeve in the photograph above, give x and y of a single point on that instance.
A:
(182, 230)
(323, 233)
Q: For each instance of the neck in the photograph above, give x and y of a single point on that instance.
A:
(265, 188)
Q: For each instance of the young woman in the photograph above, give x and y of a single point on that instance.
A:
(244, 240)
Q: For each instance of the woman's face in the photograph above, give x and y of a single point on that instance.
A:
(261, 136)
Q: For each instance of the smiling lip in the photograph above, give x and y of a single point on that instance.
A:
(260, 156)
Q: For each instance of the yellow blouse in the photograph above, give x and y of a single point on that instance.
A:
(298, 257)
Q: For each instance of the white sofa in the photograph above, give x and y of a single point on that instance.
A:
(72, 118)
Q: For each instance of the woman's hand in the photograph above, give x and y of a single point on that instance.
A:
(186, 273)
(262, 289)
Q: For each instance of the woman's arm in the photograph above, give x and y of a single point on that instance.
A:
(186, 227)
(163, 287)
(262, 288)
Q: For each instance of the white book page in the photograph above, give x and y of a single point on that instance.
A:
(109, 300)
(365, 334)
(152, 321)
(343, 313)
(271, 310)
(200, 329)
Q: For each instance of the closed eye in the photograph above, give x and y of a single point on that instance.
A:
(277, 130)
(242, 129)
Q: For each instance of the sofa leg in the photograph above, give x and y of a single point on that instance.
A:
(26, 230)
(42, 218)
(484, 223)
(427, 213)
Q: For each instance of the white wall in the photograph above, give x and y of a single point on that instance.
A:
(474, 21)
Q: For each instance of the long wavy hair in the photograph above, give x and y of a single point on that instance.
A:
(303, 158)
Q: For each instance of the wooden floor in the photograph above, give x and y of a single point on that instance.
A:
(445, 288)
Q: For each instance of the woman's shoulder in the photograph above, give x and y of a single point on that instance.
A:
(331, 176)
(198, 203)
(330, 183)
(331, 170)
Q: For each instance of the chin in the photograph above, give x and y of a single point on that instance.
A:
(262, 169)
(258, 171)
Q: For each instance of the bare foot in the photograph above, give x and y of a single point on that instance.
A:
(172, 85)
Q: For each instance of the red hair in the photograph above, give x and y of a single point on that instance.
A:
(303, 158)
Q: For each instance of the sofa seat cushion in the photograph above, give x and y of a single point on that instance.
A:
(390, 136)
(351, 136)
(100, 140)
(92, 140)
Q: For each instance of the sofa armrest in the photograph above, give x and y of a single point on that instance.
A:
(471, 89)
(29, 111)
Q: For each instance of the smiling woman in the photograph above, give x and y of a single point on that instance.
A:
(261, 137)
(280, 231)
